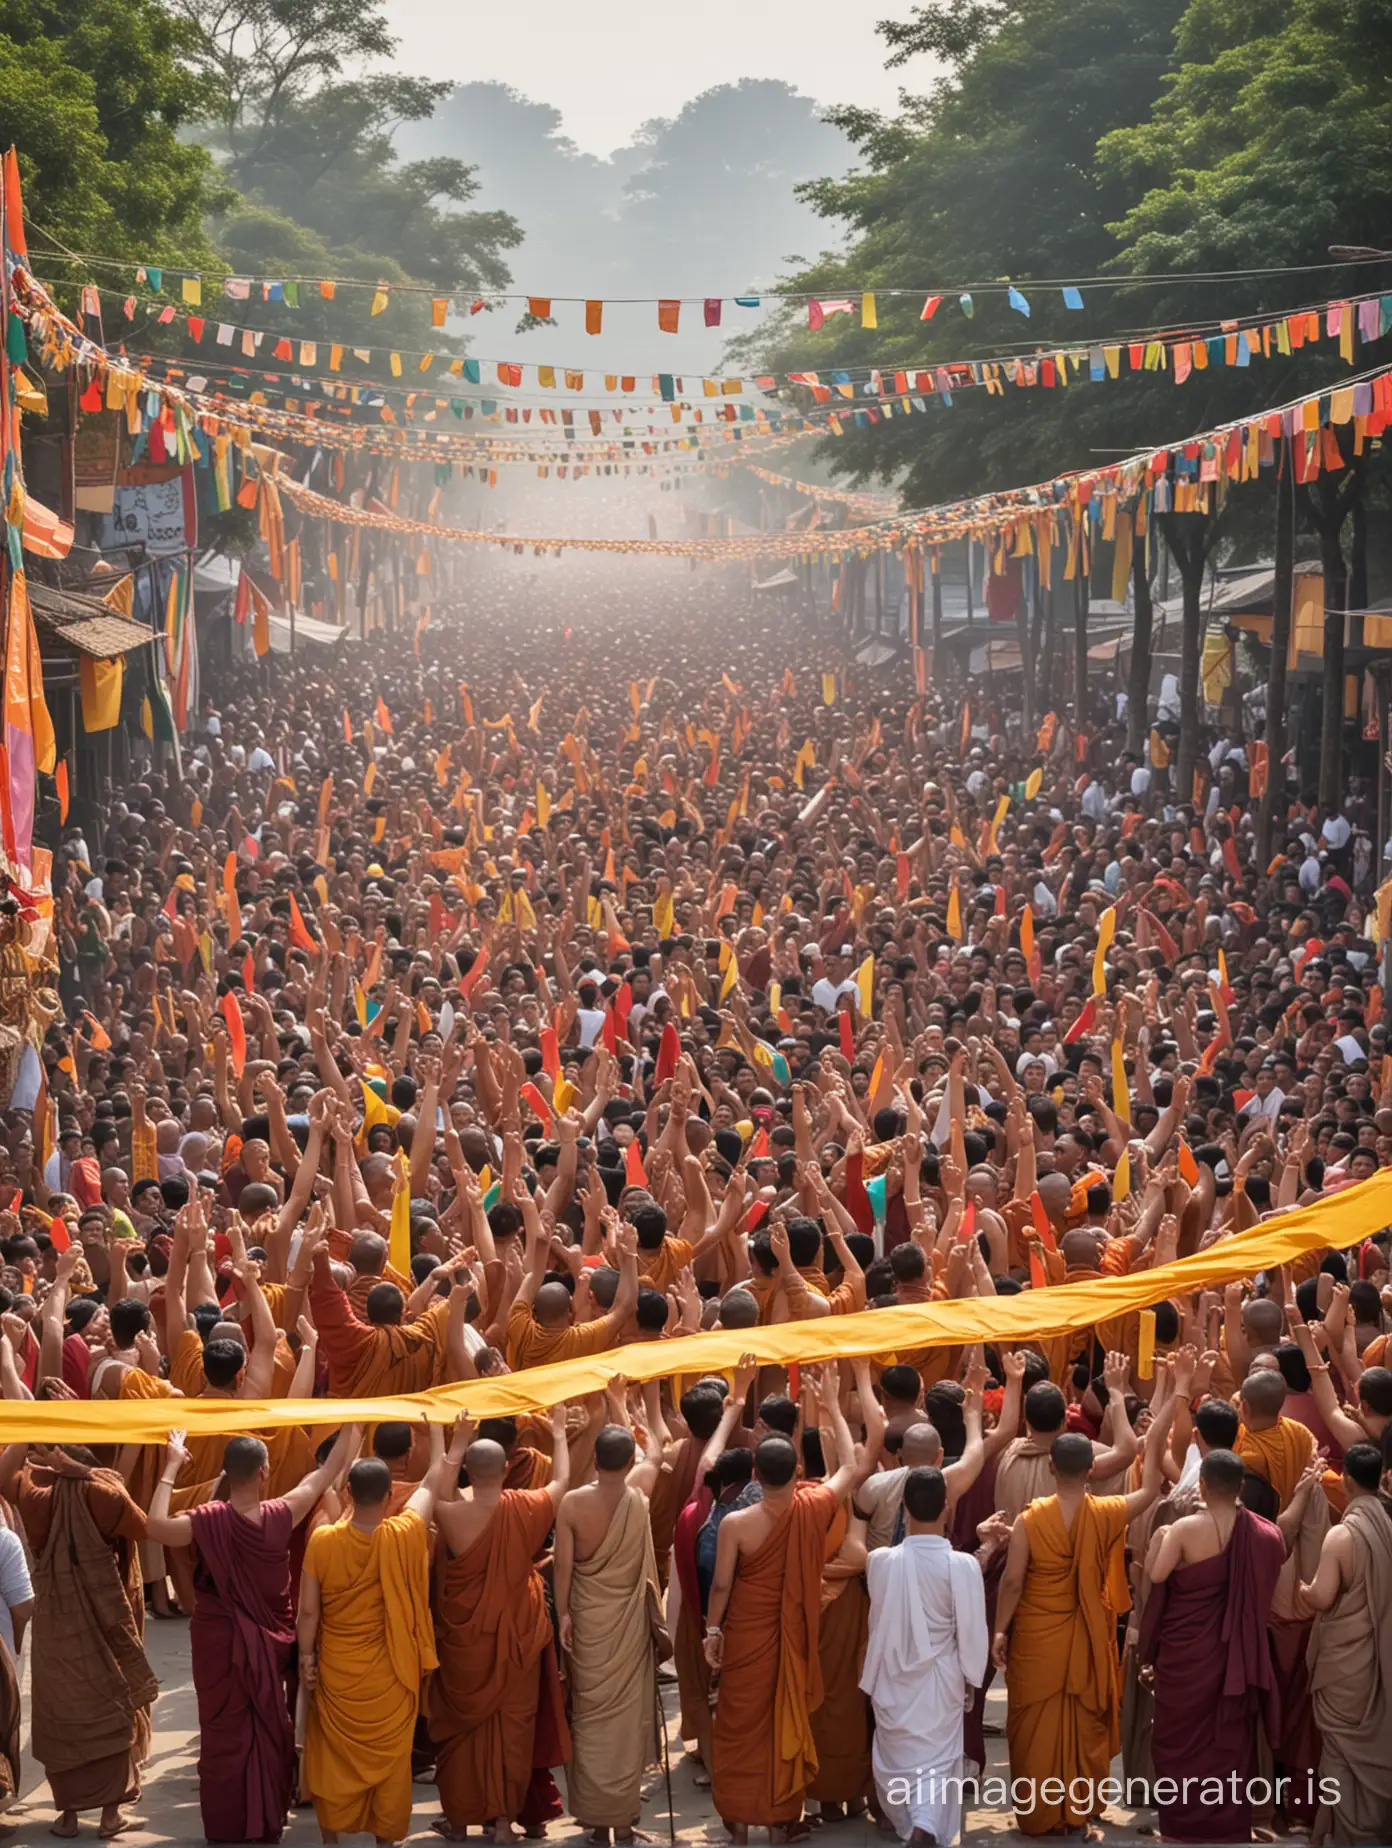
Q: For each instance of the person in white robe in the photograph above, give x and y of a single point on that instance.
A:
(927, 1647)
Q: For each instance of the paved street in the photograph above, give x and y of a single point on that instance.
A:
(169, 1810)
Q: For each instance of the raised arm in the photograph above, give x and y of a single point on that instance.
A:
(305, 1495)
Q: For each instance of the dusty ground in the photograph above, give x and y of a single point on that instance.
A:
(168, 1811)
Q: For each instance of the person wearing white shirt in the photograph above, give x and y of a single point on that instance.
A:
(1309, 874)
(1140, 780)
(1335, 832)
(16, 1593)
(927, 1645)
(1095, 802)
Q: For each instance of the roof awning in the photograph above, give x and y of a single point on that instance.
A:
(307, 629)
(44, 534)
(85, 624)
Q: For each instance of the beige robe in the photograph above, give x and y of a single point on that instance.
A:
(613, 1672)
(1350, 1661)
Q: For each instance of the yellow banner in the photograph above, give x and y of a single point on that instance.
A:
(1355, 1214)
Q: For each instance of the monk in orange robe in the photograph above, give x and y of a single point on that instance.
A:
(497, 1663)
(384, 1354)
(762, 1634)
(1063, 1588)
(541, 1326)
(366, 1644)
(841, 1725)
(1272, 1446)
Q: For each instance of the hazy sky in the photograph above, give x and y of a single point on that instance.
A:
(611, 64)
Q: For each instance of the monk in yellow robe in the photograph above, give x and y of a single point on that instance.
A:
(366, 1643)
(1063, 1588)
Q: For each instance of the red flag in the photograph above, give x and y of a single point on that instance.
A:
(58, 1235)
(847, 1032)
(623, 1007)
(468, 983)
(902, 869)
(550, 1053)
(1083, 1024)
(635, 1174)
(249, 972)
(759, 1147)
(236, 1032)
(668, 1052)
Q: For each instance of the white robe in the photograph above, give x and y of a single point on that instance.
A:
(927, 1643)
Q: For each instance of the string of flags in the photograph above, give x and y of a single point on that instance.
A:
(1070, 514)
(1183, 351)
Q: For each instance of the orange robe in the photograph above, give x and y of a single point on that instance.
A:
(1063, 1673)
(367, 1362)
(671, 1492)
(841, 1725)
(375, 1647)
(1279, 1454)
(771, 1678)
(531, 1345)
(497, 1662)
(660, 1269)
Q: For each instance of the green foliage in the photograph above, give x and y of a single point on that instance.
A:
(1271, 142)
(306, 137)
(993, 174)
(93, 94)
(1091, 138)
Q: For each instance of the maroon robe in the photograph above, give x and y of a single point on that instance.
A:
(242, 1635)
(1205, 1631)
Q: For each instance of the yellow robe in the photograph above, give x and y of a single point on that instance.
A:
(376, 1644)
(1063, 1673)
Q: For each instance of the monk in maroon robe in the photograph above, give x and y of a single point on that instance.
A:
(1204, 1637)
(242, 1633)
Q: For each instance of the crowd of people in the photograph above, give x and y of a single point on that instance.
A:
(633, 965)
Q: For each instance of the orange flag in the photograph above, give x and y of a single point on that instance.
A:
(236, 1032)
(325, 797)
(60, 777)
(299, 930)
(347, 727)
(471, 980)
(537, 1104)
(383, 716)
(97, 1036)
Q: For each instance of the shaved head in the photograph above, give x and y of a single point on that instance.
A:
(615, 1449)
(1264, 1392)
(485, 1461)
(739, 1310)
(369, 1482)
(922, 1447)
(553, 1305)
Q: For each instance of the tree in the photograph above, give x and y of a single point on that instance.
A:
(307, 136)
(94, 94)
(992, 174)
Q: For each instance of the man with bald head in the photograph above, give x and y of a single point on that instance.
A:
(1274, 1447)
(366, 1644)
(606, 1581)
(494, 1707)
(541, 1323)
